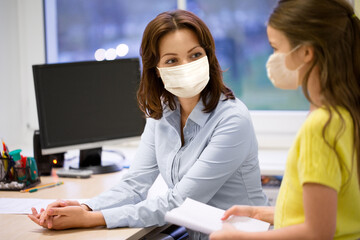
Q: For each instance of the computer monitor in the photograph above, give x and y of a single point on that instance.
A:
(86, 105)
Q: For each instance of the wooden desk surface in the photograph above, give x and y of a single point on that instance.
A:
(21, 227)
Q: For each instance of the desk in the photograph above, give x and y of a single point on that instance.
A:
(272, 162)
(21, 227)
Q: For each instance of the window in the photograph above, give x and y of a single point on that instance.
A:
(113, 29)
(239, 30)
(76, 29)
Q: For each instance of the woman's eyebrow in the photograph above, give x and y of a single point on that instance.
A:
(193, 48)
(166, 54)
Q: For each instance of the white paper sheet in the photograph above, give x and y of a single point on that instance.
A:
(207, 219)
(24, 205)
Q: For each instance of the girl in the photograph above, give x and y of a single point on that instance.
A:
(316, 45)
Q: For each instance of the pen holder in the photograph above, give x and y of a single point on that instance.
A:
(5, 169)
(14, 178)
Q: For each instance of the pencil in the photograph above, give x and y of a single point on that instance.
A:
(49, 185)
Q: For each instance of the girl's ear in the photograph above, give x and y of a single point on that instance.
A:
(308, 53)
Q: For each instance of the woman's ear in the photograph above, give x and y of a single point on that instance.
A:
(308, 53)
(157, 72)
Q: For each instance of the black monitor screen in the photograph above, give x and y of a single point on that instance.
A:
(87, 102)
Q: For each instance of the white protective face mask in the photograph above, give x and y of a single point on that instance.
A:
(186, 80)
(279, 74)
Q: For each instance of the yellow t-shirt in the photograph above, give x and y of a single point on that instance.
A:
(310, 160)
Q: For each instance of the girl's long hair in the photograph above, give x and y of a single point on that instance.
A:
(333, 30)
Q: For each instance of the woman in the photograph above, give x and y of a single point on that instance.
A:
(316, 45)
(198, 136)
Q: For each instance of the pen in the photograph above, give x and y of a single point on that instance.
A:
(5, 161)
(5, 150)
(34, 189)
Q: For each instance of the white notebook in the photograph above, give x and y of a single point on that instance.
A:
(204, 218)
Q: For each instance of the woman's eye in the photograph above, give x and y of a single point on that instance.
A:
(196, 55)
(170, 61)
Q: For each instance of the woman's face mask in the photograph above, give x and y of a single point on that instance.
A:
(279, 74)
(186, 80)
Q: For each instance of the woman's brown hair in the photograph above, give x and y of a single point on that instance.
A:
(151, 91)
(333, 30)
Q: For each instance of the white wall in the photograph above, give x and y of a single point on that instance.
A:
(21, 46)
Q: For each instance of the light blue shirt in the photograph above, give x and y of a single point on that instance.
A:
(218, 165)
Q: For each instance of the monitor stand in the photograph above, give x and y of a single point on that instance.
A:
(90, 159)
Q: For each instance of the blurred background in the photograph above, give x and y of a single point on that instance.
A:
(55, 31)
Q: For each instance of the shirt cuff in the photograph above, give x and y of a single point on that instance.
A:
(93, 204)
(113, 218)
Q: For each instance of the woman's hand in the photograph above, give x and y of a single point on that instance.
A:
(75, 217)
(68, 217)
(35, 216)
(261, 213)
(43, 219)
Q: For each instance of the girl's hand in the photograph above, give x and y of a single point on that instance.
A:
(228, 232)
(261, 213)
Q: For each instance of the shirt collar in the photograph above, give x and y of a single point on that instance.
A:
(166, 109)
(197, 115)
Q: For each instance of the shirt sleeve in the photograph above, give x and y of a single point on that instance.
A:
(228, 148)
(318, 162)
(134, 186)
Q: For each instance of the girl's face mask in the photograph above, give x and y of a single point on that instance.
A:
(279, 74)
(186, 80)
